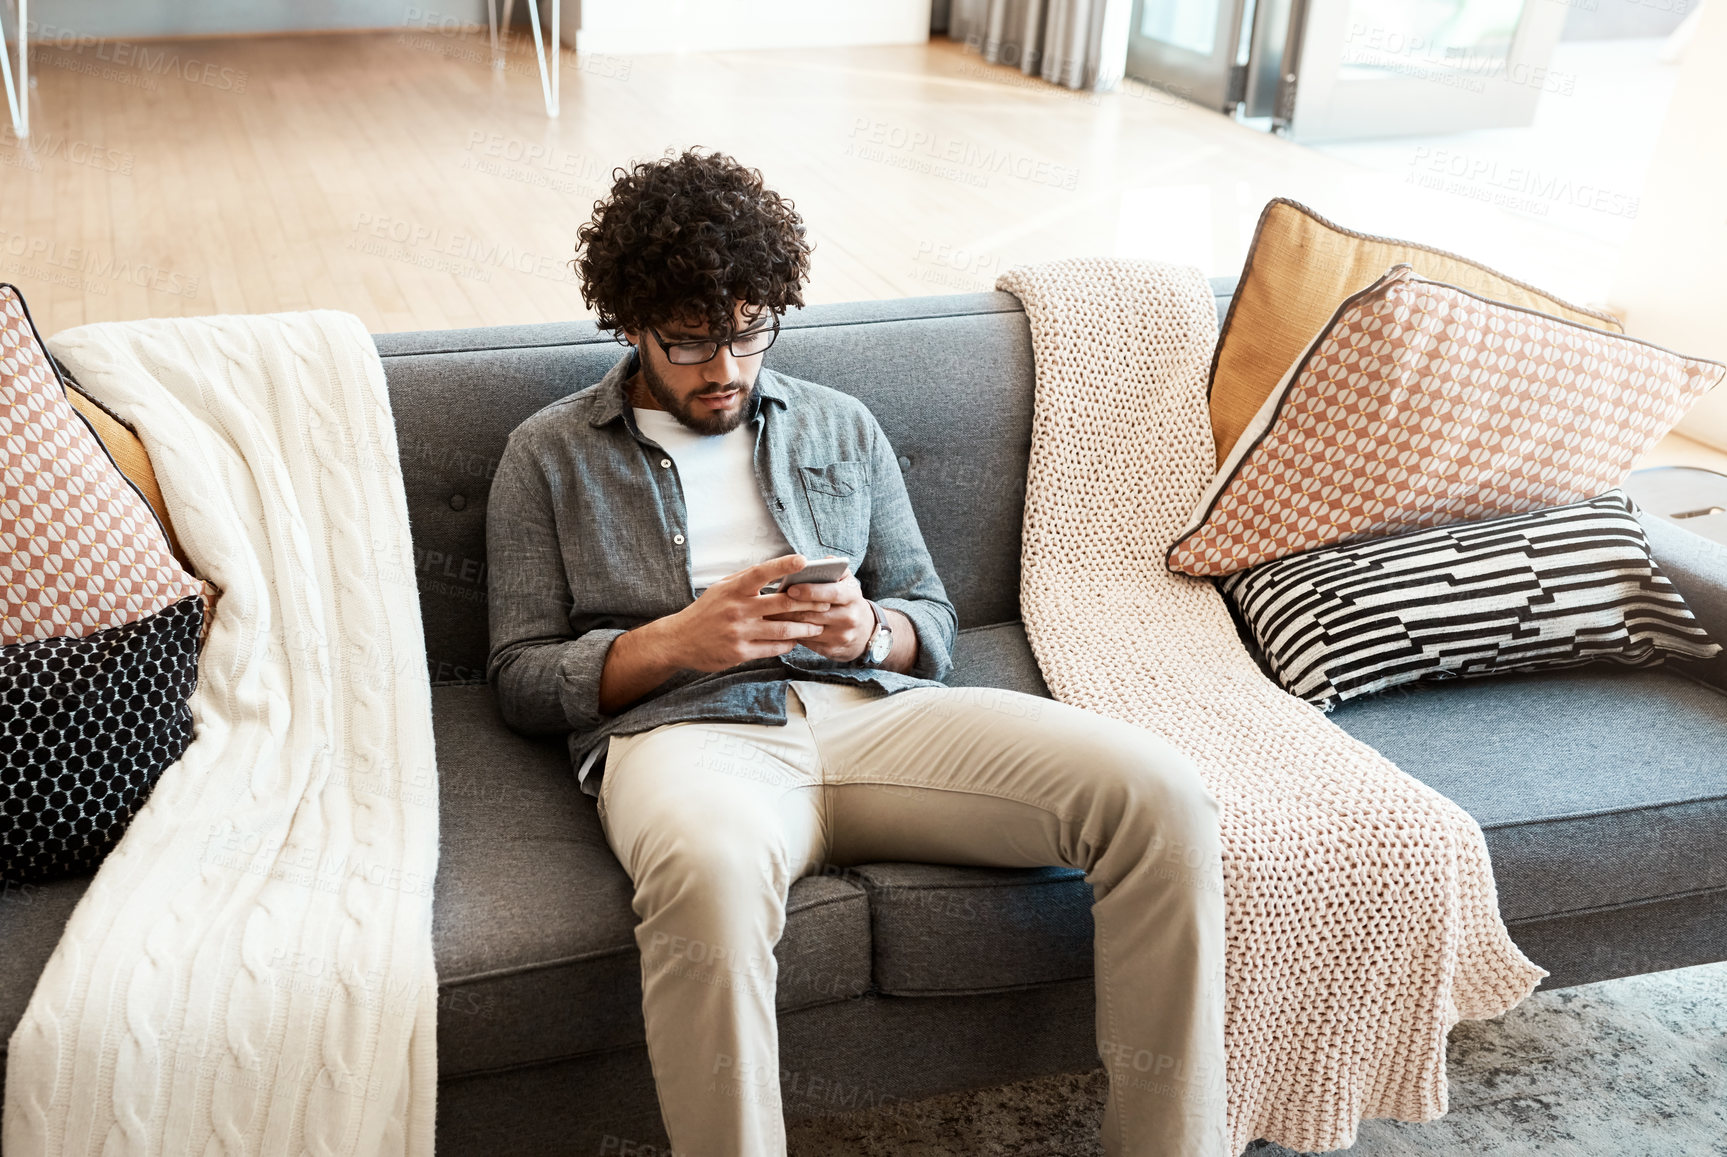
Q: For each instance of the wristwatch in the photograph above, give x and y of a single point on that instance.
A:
(880, 640)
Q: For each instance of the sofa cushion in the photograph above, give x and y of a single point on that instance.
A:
(939, 929)
(998, 655)
(946, 930)
(532, 923)
(1596, 787)
(32, 916)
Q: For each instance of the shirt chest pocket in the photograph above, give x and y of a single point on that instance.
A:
(838, 496)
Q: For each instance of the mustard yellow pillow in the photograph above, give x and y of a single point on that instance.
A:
(1299, 270)
(128, 454)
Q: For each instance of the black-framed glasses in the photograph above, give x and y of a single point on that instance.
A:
(694, 353)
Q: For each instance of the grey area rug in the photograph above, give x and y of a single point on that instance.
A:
(1626, 1068)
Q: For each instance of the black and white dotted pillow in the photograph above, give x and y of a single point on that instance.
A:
(86, 727)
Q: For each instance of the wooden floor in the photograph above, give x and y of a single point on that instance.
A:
(399, 176)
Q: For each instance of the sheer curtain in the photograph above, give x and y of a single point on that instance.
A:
(1062, 41)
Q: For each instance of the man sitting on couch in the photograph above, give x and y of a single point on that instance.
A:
(737, 740)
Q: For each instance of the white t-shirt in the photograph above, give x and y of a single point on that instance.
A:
(729, 524)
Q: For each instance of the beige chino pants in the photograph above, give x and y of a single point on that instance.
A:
(714, 821)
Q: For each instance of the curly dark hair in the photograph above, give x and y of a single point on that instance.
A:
(683, 238)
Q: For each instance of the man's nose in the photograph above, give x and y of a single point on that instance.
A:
(723, 367)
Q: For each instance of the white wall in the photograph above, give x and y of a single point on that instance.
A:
(1672, 280)
(61, 19)
(629, 27)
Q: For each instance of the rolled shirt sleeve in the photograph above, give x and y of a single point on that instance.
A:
(547, 677)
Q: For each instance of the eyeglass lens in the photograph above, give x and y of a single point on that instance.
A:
(743, 346)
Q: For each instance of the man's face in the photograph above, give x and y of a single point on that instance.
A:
(711, 397)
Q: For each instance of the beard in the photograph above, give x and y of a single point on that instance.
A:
(701, 421)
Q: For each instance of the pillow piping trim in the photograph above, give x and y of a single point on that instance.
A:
(60, 379)
(75, 386)
(1306, 357)
(1258, 230)
(1198, 524)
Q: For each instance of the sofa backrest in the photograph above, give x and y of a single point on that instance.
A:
(949, 378)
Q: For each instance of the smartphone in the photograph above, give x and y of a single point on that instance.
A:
(822, 570)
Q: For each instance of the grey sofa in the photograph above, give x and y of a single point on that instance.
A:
(1603, 792)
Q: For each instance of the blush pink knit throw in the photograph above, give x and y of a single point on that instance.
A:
(1361, 916)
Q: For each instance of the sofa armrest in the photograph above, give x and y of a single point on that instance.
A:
(1698, 567)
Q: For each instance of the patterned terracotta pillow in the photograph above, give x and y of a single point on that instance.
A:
(1421, 405)
(1299, 269)
(80, 549)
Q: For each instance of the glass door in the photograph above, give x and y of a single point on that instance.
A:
(1189, 47)
(1367, 68)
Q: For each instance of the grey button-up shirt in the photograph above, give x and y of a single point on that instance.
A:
(586, 537)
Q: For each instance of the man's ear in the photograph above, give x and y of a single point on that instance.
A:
(632, 337)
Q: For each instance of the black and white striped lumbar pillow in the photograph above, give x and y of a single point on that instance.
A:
(1555, 588)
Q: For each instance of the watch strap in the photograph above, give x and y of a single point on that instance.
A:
(881, 624)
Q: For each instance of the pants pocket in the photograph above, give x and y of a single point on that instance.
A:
(607, 767)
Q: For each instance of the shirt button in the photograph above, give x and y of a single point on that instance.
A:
(678, 538)
(666, 462)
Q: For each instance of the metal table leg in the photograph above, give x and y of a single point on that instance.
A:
(18, 95)
(552, 48)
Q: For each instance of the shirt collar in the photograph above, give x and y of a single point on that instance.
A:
(611, 398)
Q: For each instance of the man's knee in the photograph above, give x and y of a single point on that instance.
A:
(712, 907)
(1149, 778)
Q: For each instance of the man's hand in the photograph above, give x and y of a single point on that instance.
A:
(732, 623)
(728, 624)
(846, 620)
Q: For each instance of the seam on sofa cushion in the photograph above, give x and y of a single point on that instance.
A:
(976, 627)
(602, 953)
(1684, 671)
(980, 884)
(1508, 825)
(914, 994)
(1570, 913)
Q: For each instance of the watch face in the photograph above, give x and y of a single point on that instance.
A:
(879, 645)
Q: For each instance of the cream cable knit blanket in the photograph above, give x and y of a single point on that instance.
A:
(251, 970)
(1361, 916)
